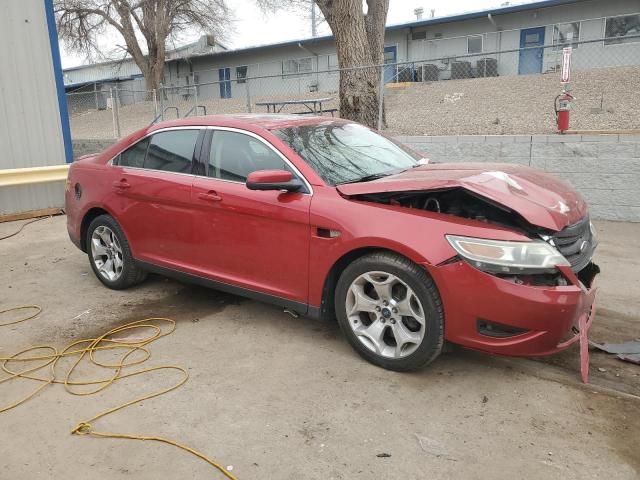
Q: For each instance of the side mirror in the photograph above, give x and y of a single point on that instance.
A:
(273, 180)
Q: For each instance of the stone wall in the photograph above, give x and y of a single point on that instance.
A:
(604, 168)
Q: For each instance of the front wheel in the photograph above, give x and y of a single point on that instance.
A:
(390, 311)
(110, 256)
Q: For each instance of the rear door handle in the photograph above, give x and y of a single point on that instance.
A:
(210, 196)
(121, 185)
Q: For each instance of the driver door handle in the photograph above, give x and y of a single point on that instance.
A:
(121, 185)
(210, 196)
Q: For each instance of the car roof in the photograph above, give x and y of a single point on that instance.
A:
(268, 121)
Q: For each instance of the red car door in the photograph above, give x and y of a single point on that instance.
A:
(152, 196)
(257, 240)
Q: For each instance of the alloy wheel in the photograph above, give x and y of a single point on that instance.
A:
(385, 314)
(107, 253)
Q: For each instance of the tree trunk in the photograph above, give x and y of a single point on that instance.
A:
(359, 95)
(152, 69)
(359, 43)
(153, 76)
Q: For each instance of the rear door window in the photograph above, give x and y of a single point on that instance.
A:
(233, 156)
(134, 156)
(172, 151)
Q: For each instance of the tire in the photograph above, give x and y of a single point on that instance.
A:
(408, 331)
(107, 242)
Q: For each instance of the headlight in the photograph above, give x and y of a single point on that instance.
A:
(496, 256)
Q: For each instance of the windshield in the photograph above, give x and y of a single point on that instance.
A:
(345, 153)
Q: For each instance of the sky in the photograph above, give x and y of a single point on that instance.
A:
(251, 26)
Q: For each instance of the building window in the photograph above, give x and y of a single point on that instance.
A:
(241, 74)
(419, 35)
(332, 63)
(300, 65)
(566, 35)
(474, 44)
(622, 29)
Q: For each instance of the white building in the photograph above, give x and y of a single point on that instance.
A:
(511, 40)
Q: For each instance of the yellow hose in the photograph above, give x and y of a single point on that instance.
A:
(45, 356)
(23, 307)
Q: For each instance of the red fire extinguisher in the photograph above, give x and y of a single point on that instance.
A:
(562, 105)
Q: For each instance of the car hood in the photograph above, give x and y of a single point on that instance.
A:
(539, 198)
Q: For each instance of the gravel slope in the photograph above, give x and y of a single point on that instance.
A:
(607, 98)
(515, 104)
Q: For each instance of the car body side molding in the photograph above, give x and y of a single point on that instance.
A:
(298, 307)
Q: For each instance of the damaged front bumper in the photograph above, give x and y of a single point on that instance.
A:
(492, 314)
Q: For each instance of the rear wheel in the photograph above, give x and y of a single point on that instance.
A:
(390, 311)
(110, 256)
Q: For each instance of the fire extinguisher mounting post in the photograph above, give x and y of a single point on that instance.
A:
(562, 103)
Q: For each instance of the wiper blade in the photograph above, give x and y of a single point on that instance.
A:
(366, 178)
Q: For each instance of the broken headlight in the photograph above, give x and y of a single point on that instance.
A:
(497, 256)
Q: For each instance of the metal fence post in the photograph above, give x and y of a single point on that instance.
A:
(248, 96)
(117, 112)
(155, 103)
(113, 111)
(380, 97)
(161, 101)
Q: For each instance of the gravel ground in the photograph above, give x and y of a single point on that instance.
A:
(605, 99)
(283, 398)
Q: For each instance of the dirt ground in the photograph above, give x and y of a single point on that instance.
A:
(283, 398)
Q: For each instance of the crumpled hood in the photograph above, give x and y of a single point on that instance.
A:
(538, 197)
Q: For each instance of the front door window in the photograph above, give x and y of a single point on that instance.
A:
(234, 156)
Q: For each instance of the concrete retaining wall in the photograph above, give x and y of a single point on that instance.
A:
(604, 168)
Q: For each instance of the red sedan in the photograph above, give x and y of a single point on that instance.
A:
(327, 218)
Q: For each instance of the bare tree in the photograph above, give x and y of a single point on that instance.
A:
(145, 26)
(359, 36)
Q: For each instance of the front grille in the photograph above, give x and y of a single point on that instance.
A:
(576, 243)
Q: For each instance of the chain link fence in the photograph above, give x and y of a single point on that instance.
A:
(491, 92)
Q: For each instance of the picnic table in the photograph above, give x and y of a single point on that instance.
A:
(313, 105)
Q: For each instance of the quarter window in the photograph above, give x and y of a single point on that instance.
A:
(623, 29)
(172, 151)
(134, 156)
(234, 156)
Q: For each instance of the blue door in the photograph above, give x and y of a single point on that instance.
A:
(531, 57)
(390, 57)
(224, 75)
